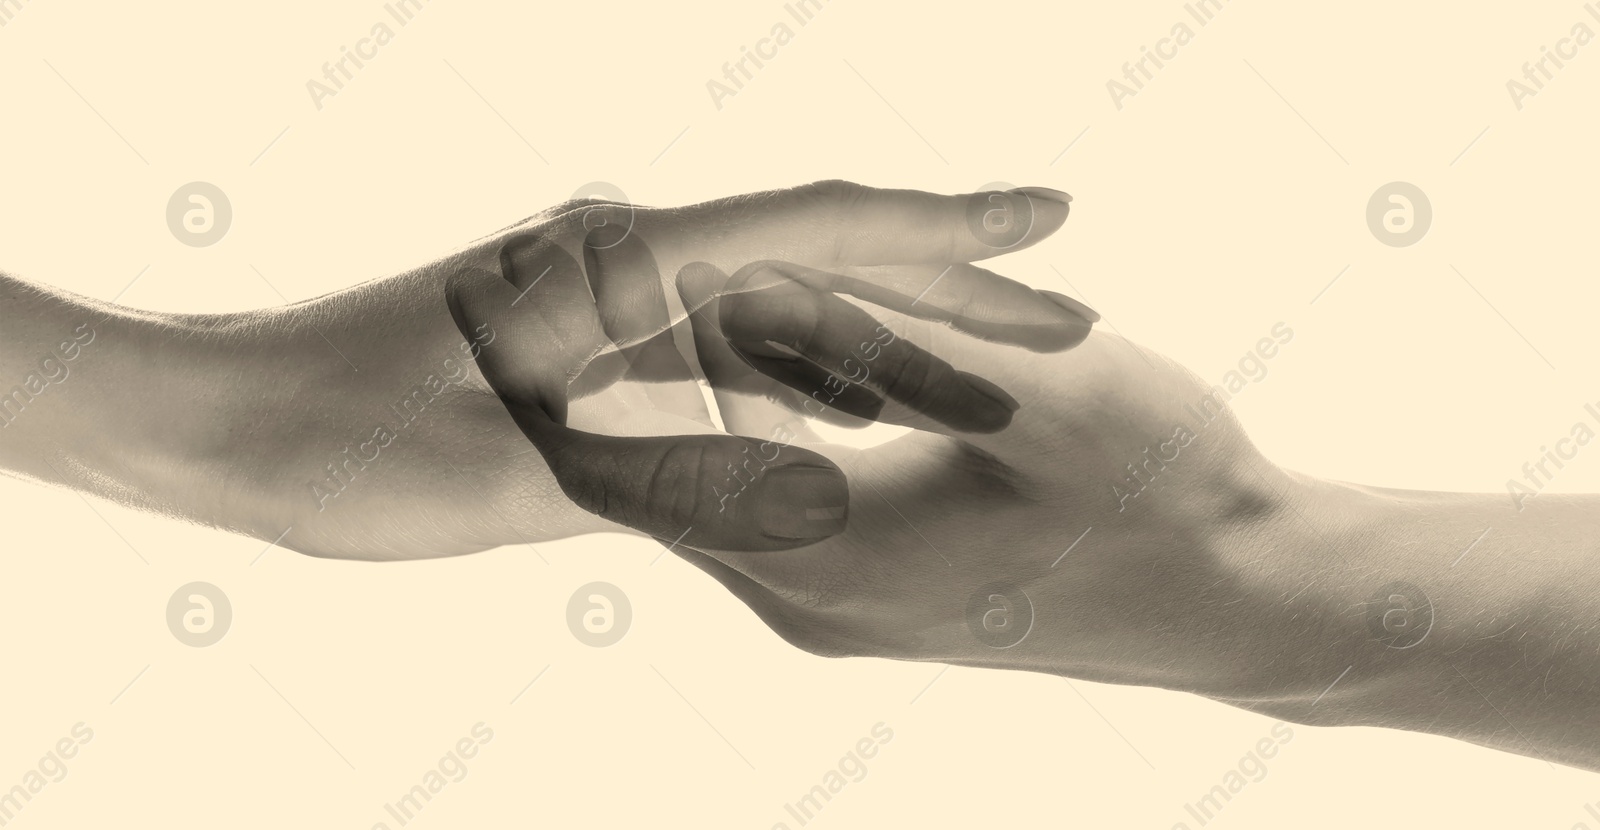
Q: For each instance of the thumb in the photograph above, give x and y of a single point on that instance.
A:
(722, 492)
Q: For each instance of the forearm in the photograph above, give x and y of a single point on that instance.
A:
(1453, 614)
(103, 399)
(49, 343)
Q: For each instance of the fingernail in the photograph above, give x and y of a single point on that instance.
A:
(991, 391)
(801, 502)
(1045, 193)
(1071, 305)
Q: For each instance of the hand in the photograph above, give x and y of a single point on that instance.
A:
(1123, 529)
(901, 250)
(1111, 532)
(359, 425)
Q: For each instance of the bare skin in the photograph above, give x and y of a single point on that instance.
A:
(360, 425)
(1226, 576)
(1312, 601)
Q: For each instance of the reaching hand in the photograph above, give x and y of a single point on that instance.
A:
(684, 480)
(1103, 534)
(360, 425)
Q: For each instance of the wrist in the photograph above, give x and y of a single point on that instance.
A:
(1300, 563)
(1373, 612)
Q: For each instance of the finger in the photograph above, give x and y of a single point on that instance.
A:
(750, 402)
(969, 299)
(851, 228)
(554, 313)
(719, 491)
(754, 403)
(489, 309)
(869, 364)
(752, 380)
(631, 301)
(826, 395)
(833, 223)
(632, 307)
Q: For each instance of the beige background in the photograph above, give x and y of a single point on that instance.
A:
(1206, 210)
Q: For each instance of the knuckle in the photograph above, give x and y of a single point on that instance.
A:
(839, 203)
(837, 192)
(575, 218)
(674, 495)
(755, 276)
(907, 371)
(585, 203)
(698, 284)
(966, 296)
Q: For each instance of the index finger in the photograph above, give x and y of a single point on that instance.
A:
(831, 224)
